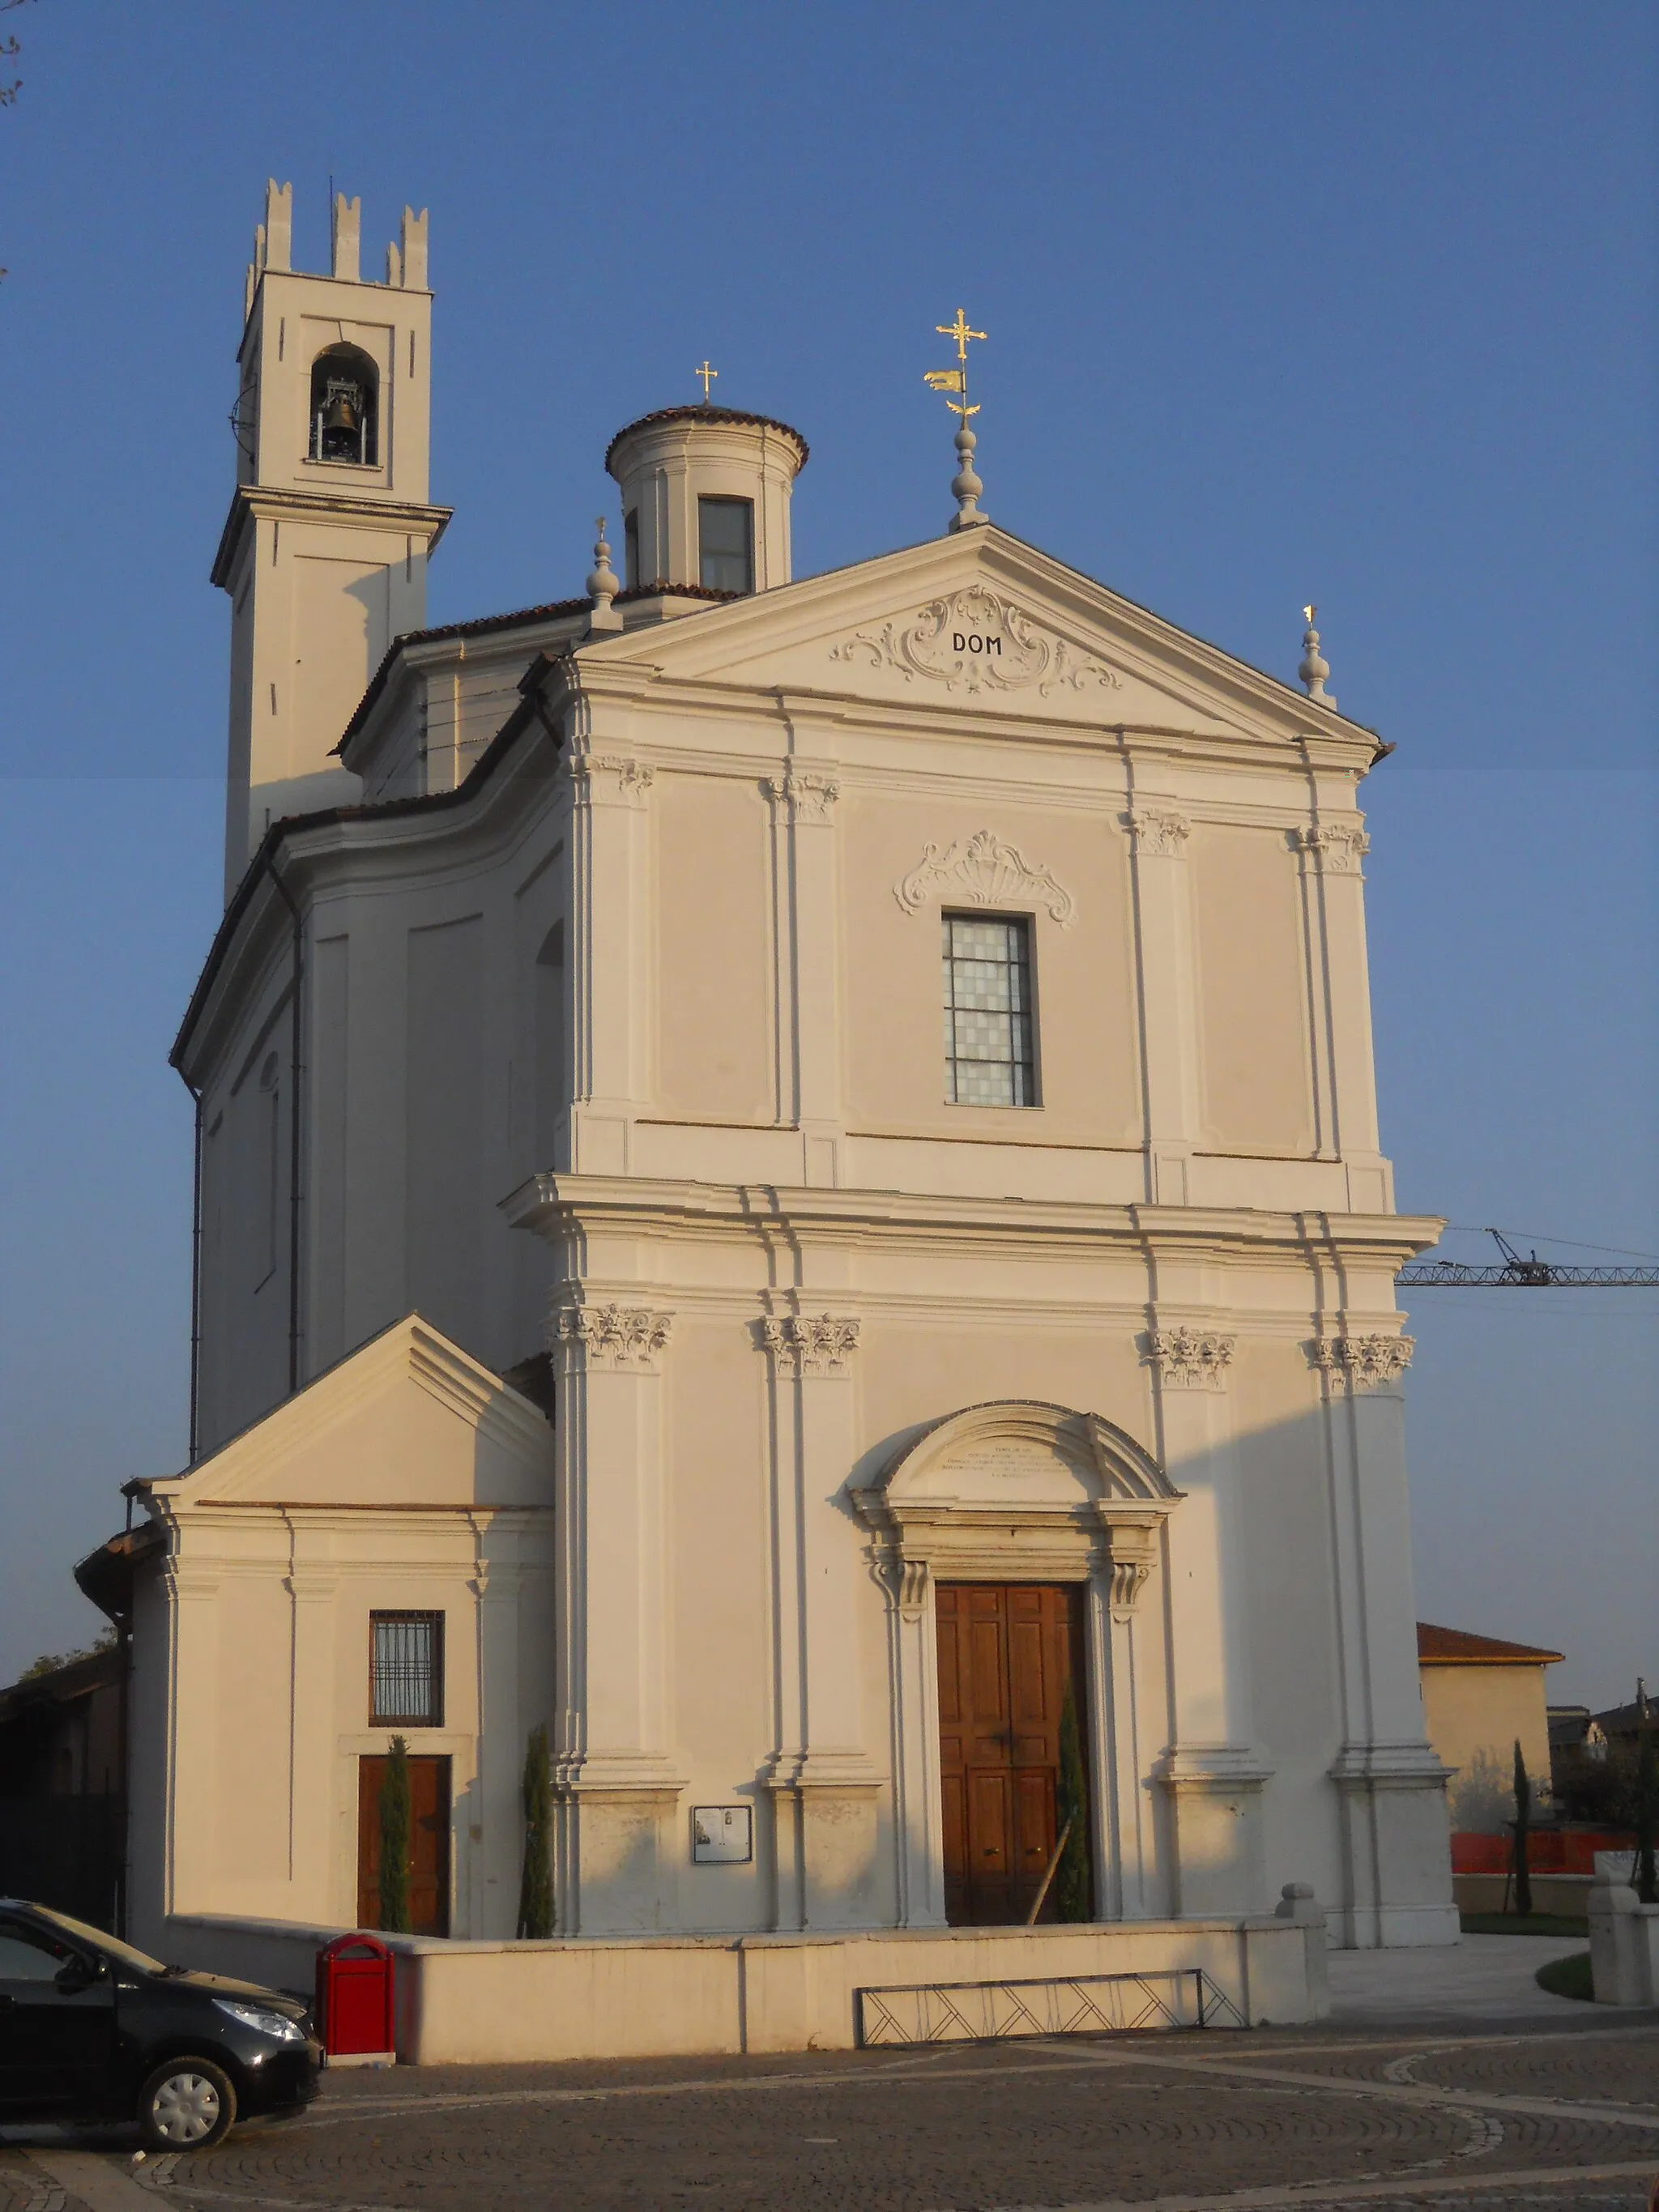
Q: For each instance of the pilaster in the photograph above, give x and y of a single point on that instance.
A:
(1124, 1850)
(192, 1601)
(1167, 987)
(613, 1771)
(823, 1783)
(494, 1822)
(1391, 1787)
(807, 938)
(1345, 1076)
(913, 1671)
(611, 876)
(1212, 1772)
(313, 1593)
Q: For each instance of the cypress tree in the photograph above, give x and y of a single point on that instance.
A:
(396, 1822)
(536, 1886)
(1522, 1825)
(1072, 1884)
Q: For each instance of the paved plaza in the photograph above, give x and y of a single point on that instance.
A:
(1541, 2102)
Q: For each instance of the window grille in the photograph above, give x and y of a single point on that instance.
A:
(990, 1057)
(406, 1688)
(725, 543)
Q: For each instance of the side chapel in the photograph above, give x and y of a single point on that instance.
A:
(787, 1181)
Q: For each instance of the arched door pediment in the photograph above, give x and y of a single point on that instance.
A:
(1020, 1489)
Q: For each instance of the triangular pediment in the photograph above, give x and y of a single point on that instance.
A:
(983, 623)
(409, 1419)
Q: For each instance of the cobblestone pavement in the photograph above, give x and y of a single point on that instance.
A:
(1565, 2120)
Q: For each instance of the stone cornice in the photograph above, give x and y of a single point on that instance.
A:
(250, 503)
(747, 1210)
(979, 722)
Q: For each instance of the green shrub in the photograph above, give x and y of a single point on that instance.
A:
(1072, 1883)
(536, 1917)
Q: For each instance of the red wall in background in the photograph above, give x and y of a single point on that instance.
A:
(1549, 1850)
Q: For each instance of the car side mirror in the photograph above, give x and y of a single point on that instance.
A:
(79, 1973)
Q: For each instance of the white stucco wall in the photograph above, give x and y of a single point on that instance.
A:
(743, 841)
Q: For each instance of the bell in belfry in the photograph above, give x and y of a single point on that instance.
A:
(344, 410)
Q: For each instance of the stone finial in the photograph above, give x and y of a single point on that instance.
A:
(345, 235)
(965, 484)
(1315, 668)
(603, 585)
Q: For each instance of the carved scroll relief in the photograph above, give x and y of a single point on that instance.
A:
(972, 640)
(986, 872)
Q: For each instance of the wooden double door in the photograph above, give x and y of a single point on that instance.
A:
(428, 1845)
(1007, 1653)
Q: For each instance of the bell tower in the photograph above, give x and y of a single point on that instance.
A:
(324, 550)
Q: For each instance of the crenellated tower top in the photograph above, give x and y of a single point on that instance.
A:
(324, 551)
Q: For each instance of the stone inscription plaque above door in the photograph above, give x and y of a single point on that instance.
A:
(974, 640)
(1005, 1456)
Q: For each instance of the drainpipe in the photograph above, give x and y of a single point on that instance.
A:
(295, 1070)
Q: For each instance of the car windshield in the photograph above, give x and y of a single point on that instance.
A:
(112, 1946)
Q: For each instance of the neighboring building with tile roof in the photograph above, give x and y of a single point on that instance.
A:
(1482, 1695)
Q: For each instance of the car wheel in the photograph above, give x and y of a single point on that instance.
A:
(188, 2103)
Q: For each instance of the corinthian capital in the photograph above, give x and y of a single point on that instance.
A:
(614, 1336)
(810, 1344)
(1191, 1358)
(1363, 1363)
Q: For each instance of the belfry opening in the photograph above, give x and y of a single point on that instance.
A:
(345, 410)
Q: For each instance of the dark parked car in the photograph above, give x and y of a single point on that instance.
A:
(91, 2029)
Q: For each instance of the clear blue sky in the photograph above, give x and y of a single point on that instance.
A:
(1355, 304)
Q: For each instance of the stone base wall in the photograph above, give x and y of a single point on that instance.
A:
(496, 2003)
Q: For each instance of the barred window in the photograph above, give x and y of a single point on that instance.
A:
(406, 1685)
(990, 1056)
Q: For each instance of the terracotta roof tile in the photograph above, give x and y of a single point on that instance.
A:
(1455, 1647)
(699, 411)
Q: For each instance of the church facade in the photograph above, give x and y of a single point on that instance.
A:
(788, 1187)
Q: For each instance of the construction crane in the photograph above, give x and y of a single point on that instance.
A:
(1515, 1274)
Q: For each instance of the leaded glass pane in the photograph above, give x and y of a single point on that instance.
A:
(989, 1054)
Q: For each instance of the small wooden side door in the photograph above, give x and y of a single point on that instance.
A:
(1007, 1652)
(429, 1870)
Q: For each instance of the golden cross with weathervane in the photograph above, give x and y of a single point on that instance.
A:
(955, 379)
(707, 375)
